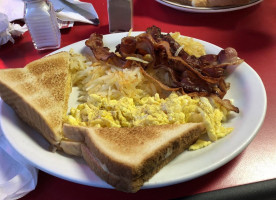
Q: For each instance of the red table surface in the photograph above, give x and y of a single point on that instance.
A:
(251, 31)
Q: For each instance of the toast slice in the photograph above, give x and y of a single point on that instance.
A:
(128, 157)
(39, 93)
(211, 3)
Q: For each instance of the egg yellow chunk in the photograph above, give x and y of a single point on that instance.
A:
(102, 111)
(199, 144)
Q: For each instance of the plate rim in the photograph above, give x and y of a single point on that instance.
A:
(188, 8)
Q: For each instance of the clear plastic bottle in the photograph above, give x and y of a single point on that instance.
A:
(41, 21)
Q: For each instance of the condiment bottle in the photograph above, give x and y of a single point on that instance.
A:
(41, 21)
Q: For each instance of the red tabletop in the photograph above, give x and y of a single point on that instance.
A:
(251, 31)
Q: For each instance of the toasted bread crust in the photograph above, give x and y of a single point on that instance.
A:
(39, 93)
(131, 156)
(118, 182)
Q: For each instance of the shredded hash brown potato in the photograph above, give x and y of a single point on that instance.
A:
(189, 45)
(78, 62)
(113, 82)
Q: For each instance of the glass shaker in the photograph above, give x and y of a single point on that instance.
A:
(41, 21)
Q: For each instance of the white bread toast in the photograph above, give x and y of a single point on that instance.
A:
(128, 157)
(39, 93)
(211, 3)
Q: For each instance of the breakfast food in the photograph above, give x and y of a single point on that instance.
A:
(137, 108)
(211, 3)
(39, 93)
(122, 88)
(128, 157)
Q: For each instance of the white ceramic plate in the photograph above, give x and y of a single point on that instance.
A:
(247, 90)
(185, 8)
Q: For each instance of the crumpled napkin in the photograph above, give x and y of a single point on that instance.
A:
(9, 30)
(67, 11)
(17, 176)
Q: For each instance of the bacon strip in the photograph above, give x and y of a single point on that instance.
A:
(226, 103)
(95, 43)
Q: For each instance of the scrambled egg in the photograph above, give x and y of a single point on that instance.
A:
(101, 111)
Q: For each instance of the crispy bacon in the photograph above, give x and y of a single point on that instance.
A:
(95, 43)
(127, 46)
(162, 88)
(102, 53)
(203, 76)
(226, 103)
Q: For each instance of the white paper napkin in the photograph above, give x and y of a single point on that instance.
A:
(77, 11)
(17, 176)
(9, 30)
(14, 9)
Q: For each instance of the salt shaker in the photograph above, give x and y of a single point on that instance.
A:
(41, 21)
